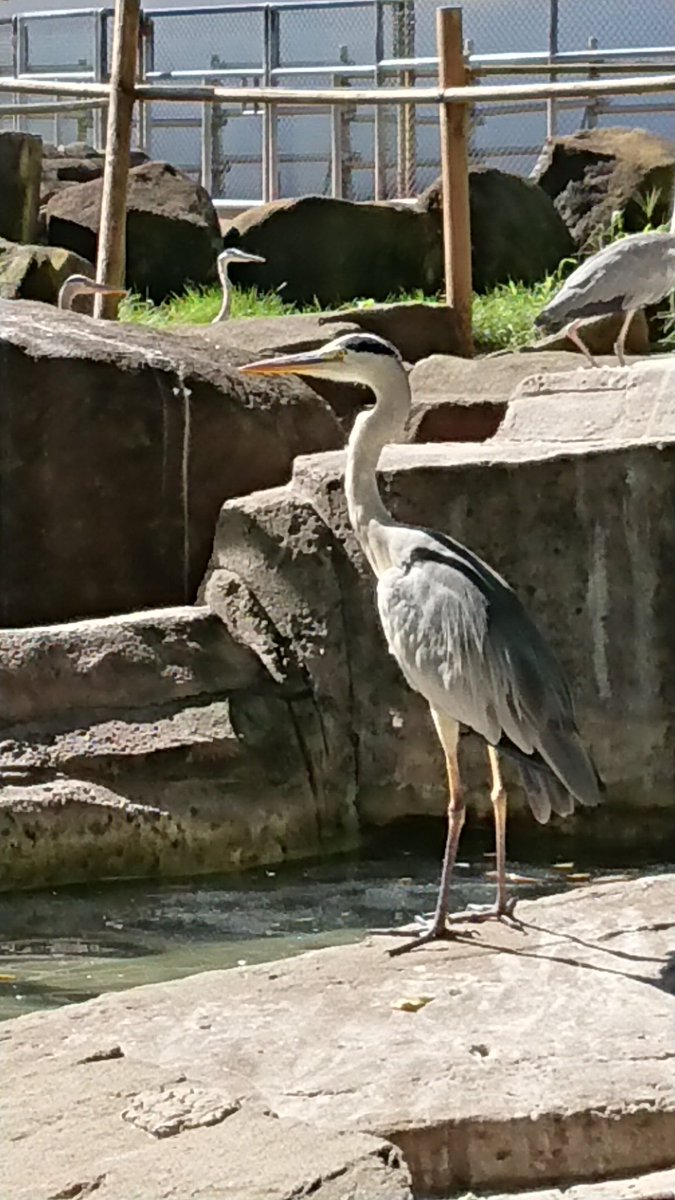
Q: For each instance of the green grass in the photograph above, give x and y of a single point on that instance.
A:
(503, 319)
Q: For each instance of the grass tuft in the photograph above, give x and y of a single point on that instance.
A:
(503, 319)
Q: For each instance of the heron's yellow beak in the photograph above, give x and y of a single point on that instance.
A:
(309, 363)
(106, 289)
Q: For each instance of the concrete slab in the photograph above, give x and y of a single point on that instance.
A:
(526, 1055)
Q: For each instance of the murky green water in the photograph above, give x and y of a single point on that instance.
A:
(59, 947)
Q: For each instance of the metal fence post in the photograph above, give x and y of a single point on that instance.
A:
(206, 172)
(146, 60)
(591, 113)
(270, 155)
(336, 183)
(100, 57)
(379, 117)
(21, 62)
(553, 31)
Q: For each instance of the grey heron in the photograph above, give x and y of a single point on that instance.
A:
(624, 277)
(80, 285)
(458, 632)
(230, 255)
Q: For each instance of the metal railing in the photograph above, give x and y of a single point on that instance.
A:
(252, 152)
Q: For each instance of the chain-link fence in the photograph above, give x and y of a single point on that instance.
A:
(245, 153)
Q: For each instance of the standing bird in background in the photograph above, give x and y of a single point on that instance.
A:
(228, 256)
(624, 277)
(458, 632)
(79, 285)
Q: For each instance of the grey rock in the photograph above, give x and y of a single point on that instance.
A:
(173, 235)
(544, 1054)
(120, 445)
(20, 170)
(37, 272)
(594, 173)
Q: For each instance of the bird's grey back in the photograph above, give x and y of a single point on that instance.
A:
(463, 639)
(631, 273)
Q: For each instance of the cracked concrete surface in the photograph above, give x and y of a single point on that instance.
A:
(571, 1008)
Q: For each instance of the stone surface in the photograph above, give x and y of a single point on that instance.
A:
(120, 445)
(155, 744)
(515, 230)
(383, 249)
(656, 1185)
(173, 235)
(594, 173)
(37, 272)
(20, 167)
(591, 406)
(417, 330)
(216, 1148)
(543, 1056)
(63, 166)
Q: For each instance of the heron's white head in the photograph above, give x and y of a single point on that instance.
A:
(77, 284)
(353, 358)
(231, 255)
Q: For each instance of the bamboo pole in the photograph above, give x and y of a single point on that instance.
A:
(455, 175)
(503, 94)
(112, 230)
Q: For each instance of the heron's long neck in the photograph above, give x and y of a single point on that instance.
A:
(372, 431)
(227, 298)
(66, 294)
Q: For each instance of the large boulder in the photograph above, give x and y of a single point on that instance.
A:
(594, 173)
(77, 162)
(334, 251)
(515, 230)
(119, 446)
(20, 171)
(173, 234)
(157, 744)
(37, 272)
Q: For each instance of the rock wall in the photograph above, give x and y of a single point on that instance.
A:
(120, 444)
(270, 722)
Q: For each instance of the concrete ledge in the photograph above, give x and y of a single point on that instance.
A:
(524, 1056)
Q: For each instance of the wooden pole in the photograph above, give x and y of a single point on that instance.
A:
(112, 231)
(455, 174)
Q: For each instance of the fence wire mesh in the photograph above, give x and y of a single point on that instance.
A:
(244, 154)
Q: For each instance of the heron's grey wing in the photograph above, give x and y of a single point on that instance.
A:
(464, 641)
(628, 274)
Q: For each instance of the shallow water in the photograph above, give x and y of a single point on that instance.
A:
(59, 947)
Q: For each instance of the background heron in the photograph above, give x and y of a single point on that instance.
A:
(458, 632)
(230, 255)
(80, 285)
(624, 277)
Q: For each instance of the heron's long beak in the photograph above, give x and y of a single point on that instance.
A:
(311, 362)
(106, 289)
(246, 257)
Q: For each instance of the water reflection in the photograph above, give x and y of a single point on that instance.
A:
(69, 945)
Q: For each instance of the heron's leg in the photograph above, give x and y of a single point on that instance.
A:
(573, 335)
(448, 732)
(623, 334)
(498, 797)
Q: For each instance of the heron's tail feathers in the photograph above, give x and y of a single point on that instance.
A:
(569, 759)
(556, 776)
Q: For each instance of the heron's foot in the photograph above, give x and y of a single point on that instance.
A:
(433, 930)
(475, 913)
